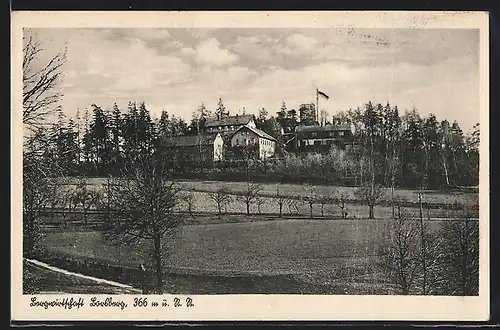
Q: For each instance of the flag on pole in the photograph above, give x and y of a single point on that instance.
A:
(322, 94)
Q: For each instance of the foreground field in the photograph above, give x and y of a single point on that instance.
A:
(321, 255)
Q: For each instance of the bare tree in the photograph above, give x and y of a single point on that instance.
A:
(401, 252)
(36, 194)
(86, 198)
(323, 200)
(250, 194)
(341, 197)
(40, 98)
(260, 201)
(67, 205)
(40, 81)
(292, 205)
(370, 194)
(221, 197)
(189, 199)
(460, 254)
(310, 198)
(55, 196)
(280, 199)
(429, 252)
(145, 203)
(39, 168)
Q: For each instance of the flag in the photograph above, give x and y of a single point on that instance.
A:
(322, 94)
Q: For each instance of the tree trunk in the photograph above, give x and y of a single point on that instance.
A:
(445, 169)
(30, 239)
(248, 208)
(422, 247)
(84, 214)
(311, 211)
(158, 265)
(370, 215)
(281, 208)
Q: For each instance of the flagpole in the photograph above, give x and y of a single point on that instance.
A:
(317, 106)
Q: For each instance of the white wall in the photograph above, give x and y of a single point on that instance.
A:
(218, 148)
(266, 147)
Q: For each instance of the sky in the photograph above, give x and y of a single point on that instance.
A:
(176, 69)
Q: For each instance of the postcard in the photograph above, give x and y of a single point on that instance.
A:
(203, 166)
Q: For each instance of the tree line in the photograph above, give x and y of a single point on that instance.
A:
(405, 151)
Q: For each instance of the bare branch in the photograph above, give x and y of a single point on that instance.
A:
(40, 94)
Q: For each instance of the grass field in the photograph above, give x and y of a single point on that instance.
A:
(317, 254)
(299, 190)
(203, 203)
(294, 190)
(269, 205)
(261, 253)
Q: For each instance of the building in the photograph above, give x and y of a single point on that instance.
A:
(251, 136)
(230, 124)
(322, 138)
(307, 114)
(204, 148)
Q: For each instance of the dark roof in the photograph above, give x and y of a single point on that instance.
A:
(227, 121)
(257, 131)
(324, 128)
(189, 140)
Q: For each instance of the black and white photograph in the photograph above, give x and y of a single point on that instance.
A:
(293, 160)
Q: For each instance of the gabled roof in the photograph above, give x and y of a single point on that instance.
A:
(189, 140)
(257, 131)
(227, 121)
(324, 128)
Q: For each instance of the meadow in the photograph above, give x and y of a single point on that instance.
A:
(263, 252)
(298, 190)
(436, 203)
(322, 256)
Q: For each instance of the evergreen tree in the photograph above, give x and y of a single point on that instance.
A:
(432, 145)
(221, 111)
(116, 128)
(99, 140)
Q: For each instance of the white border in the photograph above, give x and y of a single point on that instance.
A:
(258, 307)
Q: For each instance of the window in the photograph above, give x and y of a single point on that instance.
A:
(314, 134)
(253, 140)
(332, 134)
(341, 133)
(245, 141)
(237, 142)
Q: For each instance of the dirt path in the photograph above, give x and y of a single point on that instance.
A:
(40, 277)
